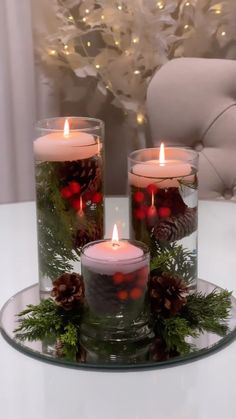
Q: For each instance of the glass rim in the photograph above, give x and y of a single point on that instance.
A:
(193, 154)
(104, 261)
(40, 124)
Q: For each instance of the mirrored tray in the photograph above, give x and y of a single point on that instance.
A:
(205, 344)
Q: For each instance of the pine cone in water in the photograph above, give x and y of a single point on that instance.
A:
(168, 293)
(68, 291)
(176, 228)
(86, 172)
(88, 233)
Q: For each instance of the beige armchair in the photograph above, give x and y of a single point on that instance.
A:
(192, 102)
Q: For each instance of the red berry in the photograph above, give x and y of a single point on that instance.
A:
(78, 204)
(140, 213)
(151, 212)
(138, 197)
(164, 212)
(74, 187)
(66, 192)
(122, 295)
(152, 189)
(136, 293)
(118, 278)
(97, 198)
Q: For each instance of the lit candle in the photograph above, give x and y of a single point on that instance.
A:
(163, 172)
(110, 256)
(65, 146)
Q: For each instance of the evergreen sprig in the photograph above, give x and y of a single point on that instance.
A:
(47, 320)
(173, 258)
(201, 313)
(56, 224)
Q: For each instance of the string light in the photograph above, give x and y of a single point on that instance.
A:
(217, 9)
(187, 4)
(87, 11)
(84, 19)
(160, 5)
(71, 18)
(65, 46)
(88, 44)
(67, 52)
(140, 118)
(223, 33)
(119, 7)
(117, 43)
(102, 17)
(52, 52)
(97, 66)
(186, 27)
(135, 40)
(136, 72)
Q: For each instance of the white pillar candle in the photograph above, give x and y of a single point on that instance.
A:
(66, 146)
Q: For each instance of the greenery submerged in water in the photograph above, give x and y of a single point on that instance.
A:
(56, 224)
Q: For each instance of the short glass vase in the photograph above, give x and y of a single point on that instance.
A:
(116, 319)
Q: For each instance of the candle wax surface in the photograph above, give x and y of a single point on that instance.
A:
(59, 147)
(163, 174)
(106, 251)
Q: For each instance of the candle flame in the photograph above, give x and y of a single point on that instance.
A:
(162, 154)
(115, 236)
(66, 128)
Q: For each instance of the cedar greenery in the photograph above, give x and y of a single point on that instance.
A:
(201, 313)
(173, 258)
(48, 320)
(56, 224)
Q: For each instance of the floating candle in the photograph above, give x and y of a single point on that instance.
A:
(162, 172)
(110, 256)
(66, 146)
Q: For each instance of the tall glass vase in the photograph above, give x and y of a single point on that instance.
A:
(163, 210)
(69, 193)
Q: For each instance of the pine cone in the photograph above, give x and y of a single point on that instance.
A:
(68, 291)
(176, 228)
(86, 172)
(87, 233)
(168, 293)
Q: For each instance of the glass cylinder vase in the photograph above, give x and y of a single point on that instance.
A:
(69, 193)
(116, 321)
(163, 191)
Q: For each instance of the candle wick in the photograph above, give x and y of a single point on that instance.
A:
(115, 244)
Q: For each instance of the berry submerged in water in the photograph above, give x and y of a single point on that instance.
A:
(74, 187)
(164, 212)
(66, 192)
(138, 197)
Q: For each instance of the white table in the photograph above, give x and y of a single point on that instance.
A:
(31, 389)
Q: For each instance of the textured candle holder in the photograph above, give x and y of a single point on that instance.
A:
(163, 209)
(115, 323)
(69, 193)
